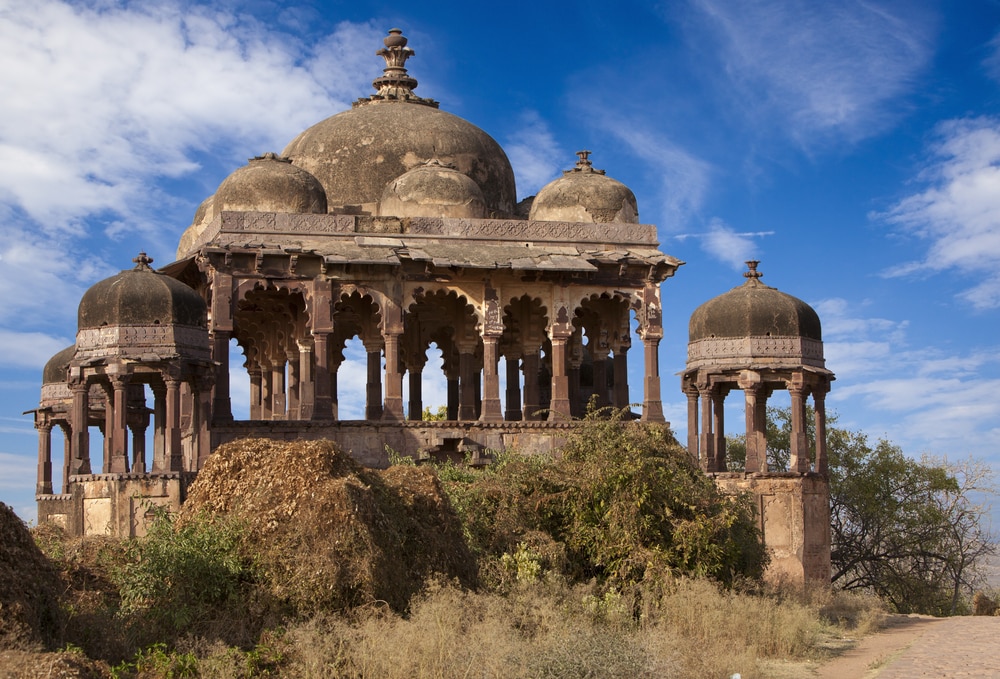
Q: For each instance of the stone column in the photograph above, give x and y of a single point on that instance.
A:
(294, 386)
(706, 440)
(266, 391)
(172, 444)
(119, 426)
(44, 483)
(756, 455)
(652, 406)
(512, 413)
(108, 428)
(454, 395)
(67, 455)
(559, 408)
(393, 379)
(278, 402)
(692, 420)
(373, 401)
(160, 462)
(467, 383)
(799, 461)
(222, 406)
(202, 430)
(256, 392)
(416, 405)
(491, 411)
(819, 402)
(621, 399)
(532, 395)
(322, 387)
(719, 410)
(139, 447)
(574, 351)
(599, 354)
(307, 392)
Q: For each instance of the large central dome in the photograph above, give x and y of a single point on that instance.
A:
(355, 154)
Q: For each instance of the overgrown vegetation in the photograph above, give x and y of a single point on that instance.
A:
(614, 558)
(912, 532)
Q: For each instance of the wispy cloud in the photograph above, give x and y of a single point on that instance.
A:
(926, 399)
(534, 154)
(726, 244)
(819, 68)
(958, 211)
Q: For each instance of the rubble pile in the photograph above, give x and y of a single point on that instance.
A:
(29, 588)
(328, 533)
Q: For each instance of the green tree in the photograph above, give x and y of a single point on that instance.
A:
(911, 531)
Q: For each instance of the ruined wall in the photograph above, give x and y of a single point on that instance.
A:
(794, 514)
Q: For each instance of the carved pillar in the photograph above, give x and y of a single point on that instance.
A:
(559, 408)
(307, 385)
(256, 392)
(373, 401)
(67, 455)
(393, 379)
(44, 483)
(491, 411)
(415, 407)
(706, 440)
(799, 461)
(692, 420)
(322, 387)
(222, 406)
(574, 350)
(756, 453)
(278, 402)
(719, 410)
(652, 406)
(620, 377)
(160, 461)
(266, 391)
(599, 351)
(294, 385)
(819, 402)
(532, 394)
(139, 447)
(202, 431)
(467, 383)
(454, 394)
(172, 443)
(119, 426)
(512, 413)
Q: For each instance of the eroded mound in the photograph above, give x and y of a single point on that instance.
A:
(329, 533)
(29, 587)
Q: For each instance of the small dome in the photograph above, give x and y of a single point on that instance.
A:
(355, 154)
(54, 371)
(140, 296)
(269, 184)
(754, 310)
(433, 189)
(584, 194)
(191, 235)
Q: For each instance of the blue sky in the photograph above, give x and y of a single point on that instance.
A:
(852, 147)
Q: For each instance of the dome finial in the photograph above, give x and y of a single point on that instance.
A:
(584, 164)
(395, 82)
(142, 262)
(752, 272)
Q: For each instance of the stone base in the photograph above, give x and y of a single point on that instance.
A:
(794, 514)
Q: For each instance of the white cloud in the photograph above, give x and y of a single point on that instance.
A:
(821, 67)
(958, 213)
(534, 154)
(28, 349)
(106, 98)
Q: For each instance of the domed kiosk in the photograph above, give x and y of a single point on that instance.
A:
(382, 237)
(757, 339)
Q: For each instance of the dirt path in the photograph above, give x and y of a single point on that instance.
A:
(920, 647)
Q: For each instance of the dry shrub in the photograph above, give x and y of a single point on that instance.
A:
(29, 588)
(982, 604)
(63, 664)
(859, 612)
(765, 626)
(329, 534)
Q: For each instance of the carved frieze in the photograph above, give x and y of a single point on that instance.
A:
(138, 340)
(721, 350)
